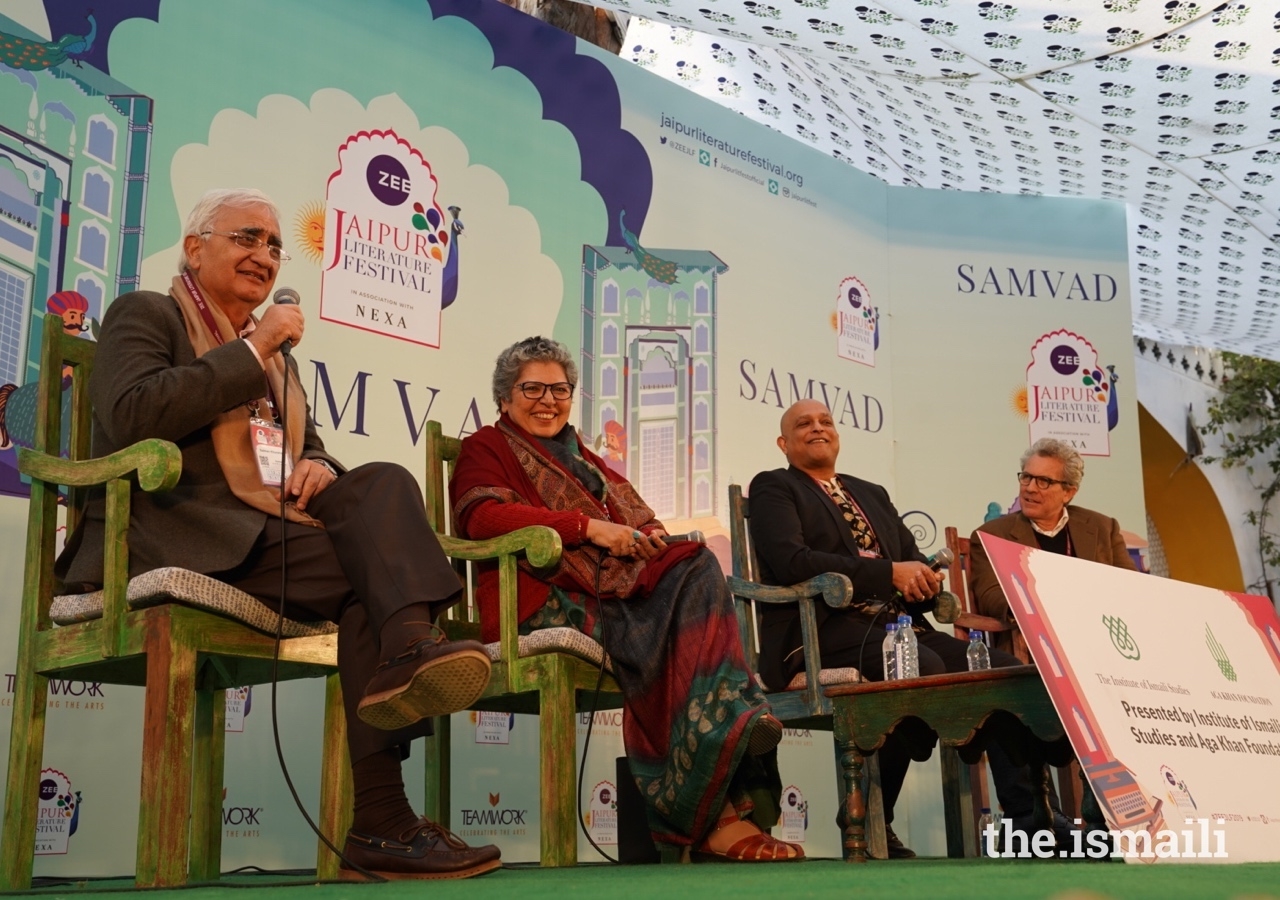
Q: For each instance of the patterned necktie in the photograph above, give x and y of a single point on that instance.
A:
(863, 536)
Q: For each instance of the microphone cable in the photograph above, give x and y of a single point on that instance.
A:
(595, 700)
(275, 656)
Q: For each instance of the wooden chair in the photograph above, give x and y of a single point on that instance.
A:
(959, 576)
(803, 703)
(134, 633)
(552, 673)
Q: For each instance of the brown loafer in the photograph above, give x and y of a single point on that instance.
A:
(765, 735)
(897, 849)
(427, 850)
(433, 677)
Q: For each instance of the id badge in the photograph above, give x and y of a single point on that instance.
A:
(268, 450)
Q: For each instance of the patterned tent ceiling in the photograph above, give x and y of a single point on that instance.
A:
(1171, 106)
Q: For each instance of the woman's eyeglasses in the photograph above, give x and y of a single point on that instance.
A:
(536, 390)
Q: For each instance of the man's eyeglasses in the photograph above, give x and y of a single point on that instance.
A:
(535, 390)
(251, 242)
(1025, 478)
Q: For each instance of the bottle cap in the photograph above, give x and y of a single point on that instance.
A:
(975, 635)
(891, 627)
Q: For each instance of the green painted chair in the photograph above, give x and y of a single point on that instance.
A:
(170, 630)
(552, 673)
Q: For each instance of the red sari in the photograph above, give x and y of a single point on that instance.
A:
(669, 626)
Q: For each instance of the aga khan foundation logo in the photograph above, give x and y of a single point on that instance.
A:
(1219, 654)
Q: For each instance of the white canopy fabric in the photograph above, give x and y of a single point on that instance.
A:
(1172, 107)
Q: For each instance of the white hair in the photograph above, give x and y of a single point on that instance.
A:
(202, 215)
(1050, 448)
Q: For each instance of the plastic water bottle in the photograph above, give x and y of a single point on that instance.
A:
(979, 656)
(887, 652)
(906, 650)
(988, 843)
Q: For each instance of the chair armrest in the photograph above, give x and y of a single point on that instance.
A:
(836, 591)
(541, 546)
(158, 464)
(973, 621)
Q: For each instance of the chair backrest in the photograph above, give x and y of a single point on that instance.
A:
(745, 566)
(958, 574)
(442, 455)
(63, 425)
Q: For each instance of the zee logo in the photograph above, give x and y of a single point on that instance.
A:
(1065, 360)
(388, 180)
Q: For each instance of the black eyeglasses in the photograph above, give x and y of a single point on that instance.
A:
(252, 242)
(1025, 478)
(536, 390)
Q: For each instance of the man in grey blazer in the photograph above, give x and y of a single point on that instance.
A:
(196, 367)
(1048, 479)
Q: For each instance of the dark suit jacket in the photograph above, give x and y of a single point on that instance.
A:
(1094, 537)
(798, 532)
(148, 383)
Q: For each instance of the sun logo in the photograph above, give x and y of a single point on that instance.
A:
(308, 230)
(1018, 401)
(835, 322)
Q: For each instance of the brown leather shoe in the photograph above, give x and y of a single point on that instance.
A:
(765, 735)
(427, 850)
(897, 849)
(433, 677)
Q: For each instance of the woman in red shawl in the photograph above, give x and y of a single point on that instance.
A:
(697, 729)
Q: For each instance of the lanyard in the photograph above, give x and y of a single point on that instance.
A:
(202, 306)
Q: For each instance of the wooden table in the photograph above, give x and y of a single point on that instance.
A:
(966, 711)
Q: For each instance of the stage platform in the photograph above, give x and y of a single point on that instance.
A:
(937, 879)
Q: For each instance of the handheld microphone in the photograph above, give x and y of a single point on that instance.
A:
(941, 559)
(289, 297)
(695, 536)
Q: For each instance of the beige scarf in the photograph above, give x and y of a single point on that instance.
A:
(231, 442)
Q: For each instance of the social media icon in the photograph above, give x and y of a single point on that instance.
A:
(704, 157)
(773, 186)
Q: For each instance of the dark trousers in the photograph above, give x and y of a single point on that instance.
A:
(852, 640)
(375, 556)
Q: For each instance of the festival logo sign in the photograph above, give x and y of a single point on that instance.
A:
(602, 817)
(1068, 395)
(58, 813)
(390, 257)
(857, 323)
(795, 815)
(239, 702)
(493, 727)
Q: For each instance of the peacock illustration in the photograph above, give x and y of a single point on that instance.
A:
(18, 403)
(428, 219)
(450, 288)
(663, 270)
(1113, 401)
(21, 53)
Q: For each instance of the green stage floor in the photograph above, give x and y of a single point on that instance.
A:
(932, 879)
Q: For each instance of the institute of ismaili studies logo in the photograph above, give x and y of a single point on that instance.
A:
(795, 815)
(1124, 643)
(58, 813)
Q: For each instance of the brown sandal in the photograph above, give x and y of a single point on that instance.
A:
(758, 847)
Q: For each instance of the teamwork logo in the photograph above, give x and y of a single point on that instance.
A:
(857, 323)
(57, 815)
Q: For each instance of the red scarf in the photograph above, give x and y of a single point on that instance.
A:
(507, 464)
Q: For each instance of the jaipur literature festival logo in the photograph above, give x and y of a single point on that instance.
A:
(239, 702)
(602, 817)
(391, 256)
(1069, 397)
(857, 323)
(58, 813)
(795, 815)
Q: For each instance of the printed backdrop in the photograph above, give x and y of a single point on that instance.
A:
(454, 176)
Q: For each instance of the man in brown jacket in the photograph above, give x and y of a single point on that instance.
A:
(1049, 478)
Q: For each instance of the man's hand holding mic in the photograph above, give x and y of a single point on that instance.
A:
(281, 325)
(917, 581)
